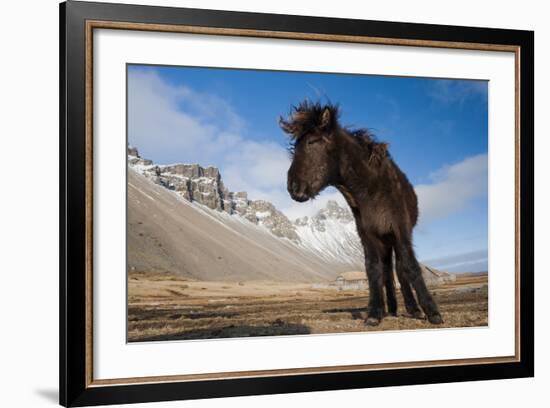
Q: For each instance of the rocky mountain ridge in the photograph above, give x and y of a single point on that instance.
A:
(204, 185)
(329, 234)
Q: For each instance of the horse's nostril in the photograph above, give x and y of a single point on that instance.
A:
(292, 186)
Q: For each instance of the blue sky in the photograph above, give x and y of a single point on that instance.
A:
(437, 130)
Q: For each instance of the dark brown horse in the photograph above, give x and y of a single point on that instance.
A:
(380, 196)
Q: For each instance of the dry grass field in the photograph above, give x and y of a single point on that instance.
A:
(163, 306)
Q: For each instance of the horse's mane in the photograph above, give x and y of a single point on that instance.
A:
(307, 116)
(363, 135)
(375, 150)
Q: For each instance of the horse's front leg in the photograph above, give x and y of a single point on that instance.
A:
(374, 263)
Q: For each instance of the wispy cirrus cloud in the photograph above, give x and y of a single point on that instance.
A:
(448, 91)
(474, 261)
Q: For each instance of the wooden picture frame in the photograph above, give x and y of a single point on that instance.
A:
(78, 20)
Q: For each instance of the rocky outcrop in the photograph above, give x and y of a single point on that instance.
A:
(191, 181)
(195, 183)
(332, 211)
(275, 221)
(134, 159)
(204, 185)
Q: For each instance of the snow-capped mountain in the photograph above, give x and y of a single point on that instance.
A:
(331, 234)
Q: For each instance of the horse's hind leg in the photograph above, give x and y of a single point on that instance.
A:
(389, 281)
(410, 302)
(405, 254)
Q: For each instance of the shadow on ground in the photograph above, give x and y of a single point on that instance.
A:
(357, 313)
(276, 328)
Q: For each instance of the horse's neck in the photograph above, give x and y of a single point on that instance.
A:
(354, 169)
(350, 198)
(356, 179)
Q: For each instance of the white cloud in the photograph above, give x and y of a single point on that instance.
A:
(264, 164)
(171, 124)
(452, 188)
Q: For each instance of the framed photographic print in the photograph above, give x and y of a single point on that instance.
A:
(255, 203)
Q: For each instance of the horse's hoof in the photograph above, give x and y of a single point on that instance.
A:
(372, 321)
(435, 319)
(416, 315)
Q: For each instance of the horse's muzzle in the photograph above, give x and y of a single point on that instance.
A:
(299, 197)
(297, 192)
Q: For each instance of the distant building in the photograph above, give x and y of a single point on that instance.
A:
(358, 279)
(352, 280)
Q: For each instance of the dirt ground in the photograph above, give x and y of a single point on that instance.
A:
(163, 306)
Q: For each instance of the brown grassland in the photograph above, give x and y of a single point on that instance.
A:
(164, 306)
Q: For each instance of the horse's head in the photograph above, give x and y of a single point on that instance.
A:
(312, 129)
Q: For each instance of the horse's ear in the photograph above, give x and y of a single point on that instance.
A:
(326, 119)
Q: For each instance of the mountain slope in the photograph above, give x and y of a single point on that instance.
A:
(331, 235)
(168, 233)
